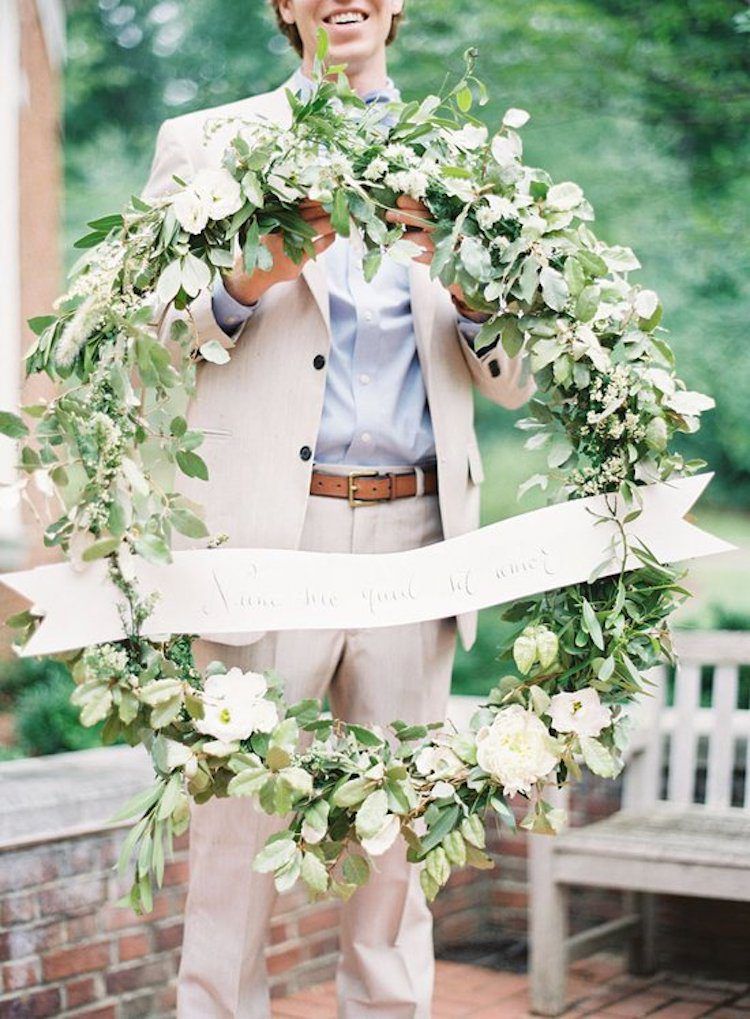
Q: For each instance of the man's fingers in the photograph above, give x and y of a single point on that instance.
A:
(413, 220)
(422, 238)
(322, 243)
(322, 225)
(309, 209)
(407, 202)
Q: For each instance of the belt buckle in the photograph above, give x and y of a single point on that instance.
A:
(352, 488)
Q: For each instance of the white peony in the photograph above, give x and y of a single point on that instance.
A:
(191, 210)
(580, 712)
(235, 706)
(516, 750)
(219, 190)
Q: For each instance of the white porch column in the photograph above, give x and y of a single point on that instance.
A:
(10, 281)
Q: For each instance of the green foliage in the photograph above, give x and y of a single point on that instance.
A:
(46, 722)
(651, 102)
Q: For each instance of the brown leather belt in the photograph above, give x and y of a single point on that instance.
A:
(362, 488)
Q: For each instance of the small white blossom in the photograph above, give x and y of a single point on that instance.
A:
(398, 153)
(496, 208)
(408, 182)
(438, 761)
(376, 169)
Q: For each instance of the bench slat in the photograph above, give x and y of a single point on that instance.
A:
(721, 741)
(683, 743)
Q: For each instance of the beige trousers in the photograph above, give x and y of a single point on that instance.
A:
(386, 966)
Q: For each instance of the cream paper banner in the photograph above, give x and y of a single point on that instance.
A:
(235, 591)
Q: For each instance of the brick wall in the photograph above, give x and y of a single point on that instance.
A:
(67, 950)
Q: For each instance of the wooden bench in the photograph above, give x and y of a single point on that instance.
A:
(684, 826)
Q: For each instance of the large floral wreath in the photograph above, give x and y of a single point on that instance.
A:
(607, 406)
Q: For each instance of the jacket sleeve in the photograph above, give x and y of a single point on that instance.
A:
(170, 158)
(504, 380)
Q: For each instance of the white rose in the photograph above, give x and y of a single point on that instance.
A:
(580, 712)
(235, 706)
(191, 210)
(516, 750)
(219, 190)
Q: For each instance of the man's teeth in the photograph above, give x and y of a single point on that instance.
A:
(345, 18)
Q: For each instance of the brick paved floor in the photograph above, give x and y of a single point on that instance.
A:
(597, 987)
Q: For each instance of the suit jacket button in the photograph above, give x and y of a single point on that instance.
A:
(305, 453)
(318, 361)
(494, 368)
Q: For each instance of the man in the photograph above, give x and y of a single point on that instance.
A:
(343, 423)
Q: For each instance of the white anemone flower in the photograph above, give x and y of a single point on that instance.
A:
(581, 712)
(235, 706)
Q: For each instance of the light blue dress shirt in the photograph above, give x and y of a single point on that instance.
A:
(375, 410)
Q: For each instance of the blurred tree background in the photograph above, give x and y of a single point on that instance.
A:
(646, 105)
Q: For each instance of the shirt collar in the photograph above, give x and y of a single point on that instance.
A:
(303, 86)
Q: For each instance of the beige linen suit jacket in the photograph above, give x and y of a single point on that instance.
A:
(259, 410)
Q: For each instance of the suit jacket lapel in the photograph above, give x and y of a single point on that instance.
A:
(423, 307)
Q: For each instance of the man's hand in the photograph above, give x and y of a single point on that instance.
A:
(248, 288)
(419, 226)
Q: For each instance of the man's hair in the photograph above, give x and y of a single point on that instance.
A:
(295, 40)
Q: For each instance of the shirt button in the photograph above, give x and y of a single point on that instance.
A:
(368, 316)
(305, 453)
(364, 379)
(318, 361)
(366, 437)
